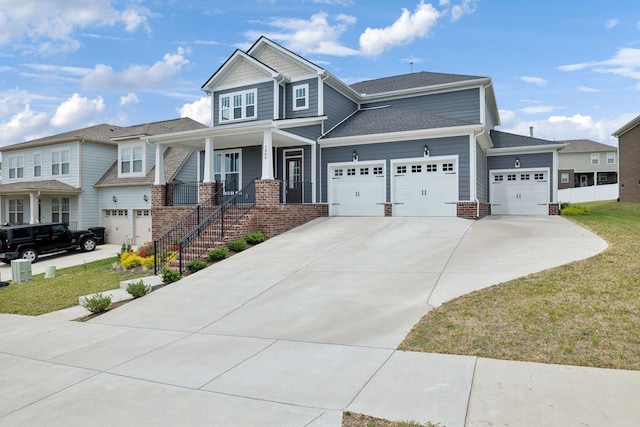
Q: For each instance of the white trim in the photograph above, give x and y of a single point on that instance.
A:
(483, 106)
(529, 149)
(473, 169)
(243, 106)
(426, 90)
(284, 166)
(320, 96)
(131, 146)
(247, 83)
(294, 98)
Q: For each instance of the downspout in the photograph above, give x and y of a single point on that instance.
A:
(484, 130)
(323, 77)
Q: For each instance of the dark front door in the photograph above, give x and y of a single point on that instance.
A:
(293, 184)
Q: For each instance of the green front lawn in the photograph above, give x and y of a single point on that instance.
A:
(45, 295)
(585, 313)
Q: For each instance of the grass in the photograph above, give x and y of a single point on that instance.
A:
(46, 295)
(586, 313)
(351, 419)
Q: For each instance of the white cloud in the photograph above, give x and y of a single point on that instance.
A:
(405, 29)
(561, 127)
(23, 126)
(467, 7)
(587, 89)
(137, 76)
(76, 110)
(313, 36)
(626, 63)
(537, 109)
(538, 81)
(51, 25)
(199, 110)
(611, 23)
(130, 98)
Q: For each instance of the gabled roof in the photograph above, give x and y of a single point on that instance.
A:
(100, 134)
(264, 41)
(156, 128)
(585, 146)
(236, 57)
(510, 140)
(382, 120)
(409, 81)
(626, 128)
(47, 186)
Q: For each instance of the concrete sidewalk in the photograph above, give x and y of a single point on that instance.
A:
(304, 326)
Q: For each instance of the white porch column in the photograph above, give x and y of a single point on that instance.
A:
(595, 178)
(209, 173)
(33, 208)
(159, 178)
(267, 155)
(314, 148)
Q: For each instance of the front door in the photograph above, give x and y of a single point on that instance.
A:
(293, 180)
(583, 180)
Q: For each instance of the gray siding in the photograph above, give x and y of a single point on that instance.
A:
(96, 159)
(461, 105)
(281, 92)
(336, 107)
(482, 176)
(458, 145)
(309, 132)
(188, 172)
(251, 164)
(538, 160)
(264, 100)
(313, 100)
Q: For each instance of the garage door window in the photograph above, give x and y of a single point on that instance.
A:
(432, 168)
(416, 168)
(498, 178)
(539, 176)
(351, 172)
(401, 169)
(337, 172)
(447, 167)
(377, 170)
(524, 177)
(511, 177)
(364, 171)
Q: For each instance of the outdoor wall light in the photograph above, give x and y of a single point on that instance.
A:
(115, 199)
(426, 151)
(145, 198)
(517, 162)
(354, 156)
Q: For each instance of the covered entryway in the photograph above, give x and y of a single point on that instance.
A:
(520, 192)
(357, 189)
(142, 226)
(425, 186)
(116, 223)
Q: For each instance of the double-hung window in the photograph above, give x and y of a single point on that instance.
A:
(16, 167)
(611, 158)
(60, 209)
(595, 158)
(16, 211)
(301, 97)
(238, 106)
(60, 162)
(131, 160)
(37, 164)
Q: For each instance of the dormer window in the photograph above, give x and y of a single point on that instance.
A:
(301, 97)
(238, 106)
(131, 160)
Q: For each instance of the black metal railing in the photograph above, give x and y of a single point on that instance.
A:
(292, 192)
(182, 193)
(199, 230)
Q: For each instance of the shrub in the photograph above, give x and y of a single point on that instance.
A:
(195, 265)
(146, 250)
(125, 248)
(575, 210)
(169, 276)
(238, 245)
(97, 303)
(147, 263)
(218, 254)
(255, 238)
(130, 260)
(138, 289)
(564, 205)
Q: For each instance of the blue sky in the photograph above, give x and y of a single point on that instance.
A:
(570, 69)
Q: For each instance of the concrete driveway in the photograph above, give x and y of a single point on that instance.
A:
(305, 325)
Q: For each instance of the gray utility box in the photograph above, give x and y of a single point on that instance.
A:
(20, 270)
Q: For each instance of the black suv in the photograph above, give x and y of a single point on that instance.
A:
(30, 241)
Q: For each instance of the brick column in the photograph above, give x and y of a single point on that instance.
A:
(207, 190)
(158, 194)
(267, 192)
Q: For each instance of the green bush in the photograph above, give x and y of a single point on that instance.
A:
(254, 238)
(218, 254)
(169, 276)
(564, 205)
(238, 245)
(195, 265)
(138, 289)
(97, 303)
(574, 210)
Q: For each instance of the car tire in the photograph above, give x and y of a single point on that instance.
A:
(88, 245)
(29, 254)
(6, 261)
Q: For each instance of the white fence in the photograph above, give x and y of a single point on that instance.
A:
(588, 194)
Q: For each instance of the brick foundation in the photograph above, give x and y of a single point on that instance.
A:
(206, 191)
(388, 209)
(554, 209)
(469, 210)
(274, 220)
(165, 217)
(158, 194)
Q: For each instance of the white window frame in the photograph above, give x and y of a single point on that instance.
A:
(595, 158)
(37, 164)
(602, 176)
(611, 158)
(60, 163)
(295, 97)
(16, 166)
(16, 211)
(60, 209)
(564, 177)
(220, 171)
(228, 102)
(135, 161)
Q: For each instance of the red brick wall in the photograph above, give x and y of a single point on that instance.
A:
(158, 194)
(554, 209)
(267, 192)
(206, 191)
(469, 210)
(629, 157)
(165, 217)
(273, 220)
(388, 209)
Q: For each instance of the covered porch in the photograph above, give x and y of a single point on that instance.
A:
(38, 202)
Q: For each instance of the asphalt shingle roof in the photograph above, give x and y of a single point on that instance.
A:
(409, 81)
(508, 140)
(585, 146)
(390, 119)
(45, 185)
(98, 133)
(158, 128)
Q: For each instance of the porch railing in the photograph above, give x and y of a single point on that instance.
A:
(292, 192)
(181, 193)
(189, 240)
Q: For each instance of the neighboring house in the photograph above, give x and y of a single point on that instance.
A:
(583, 163)
(420, 144)
(96, 176)
(629, 169)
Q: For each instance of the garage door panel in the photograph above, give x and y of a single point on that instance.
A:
(520, 192)
(357, 189)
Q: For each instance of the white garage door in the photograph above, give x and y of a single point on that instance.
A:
(142, 226)
(357, 189)
(116, 225)
(520, 192)
(425, 187)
